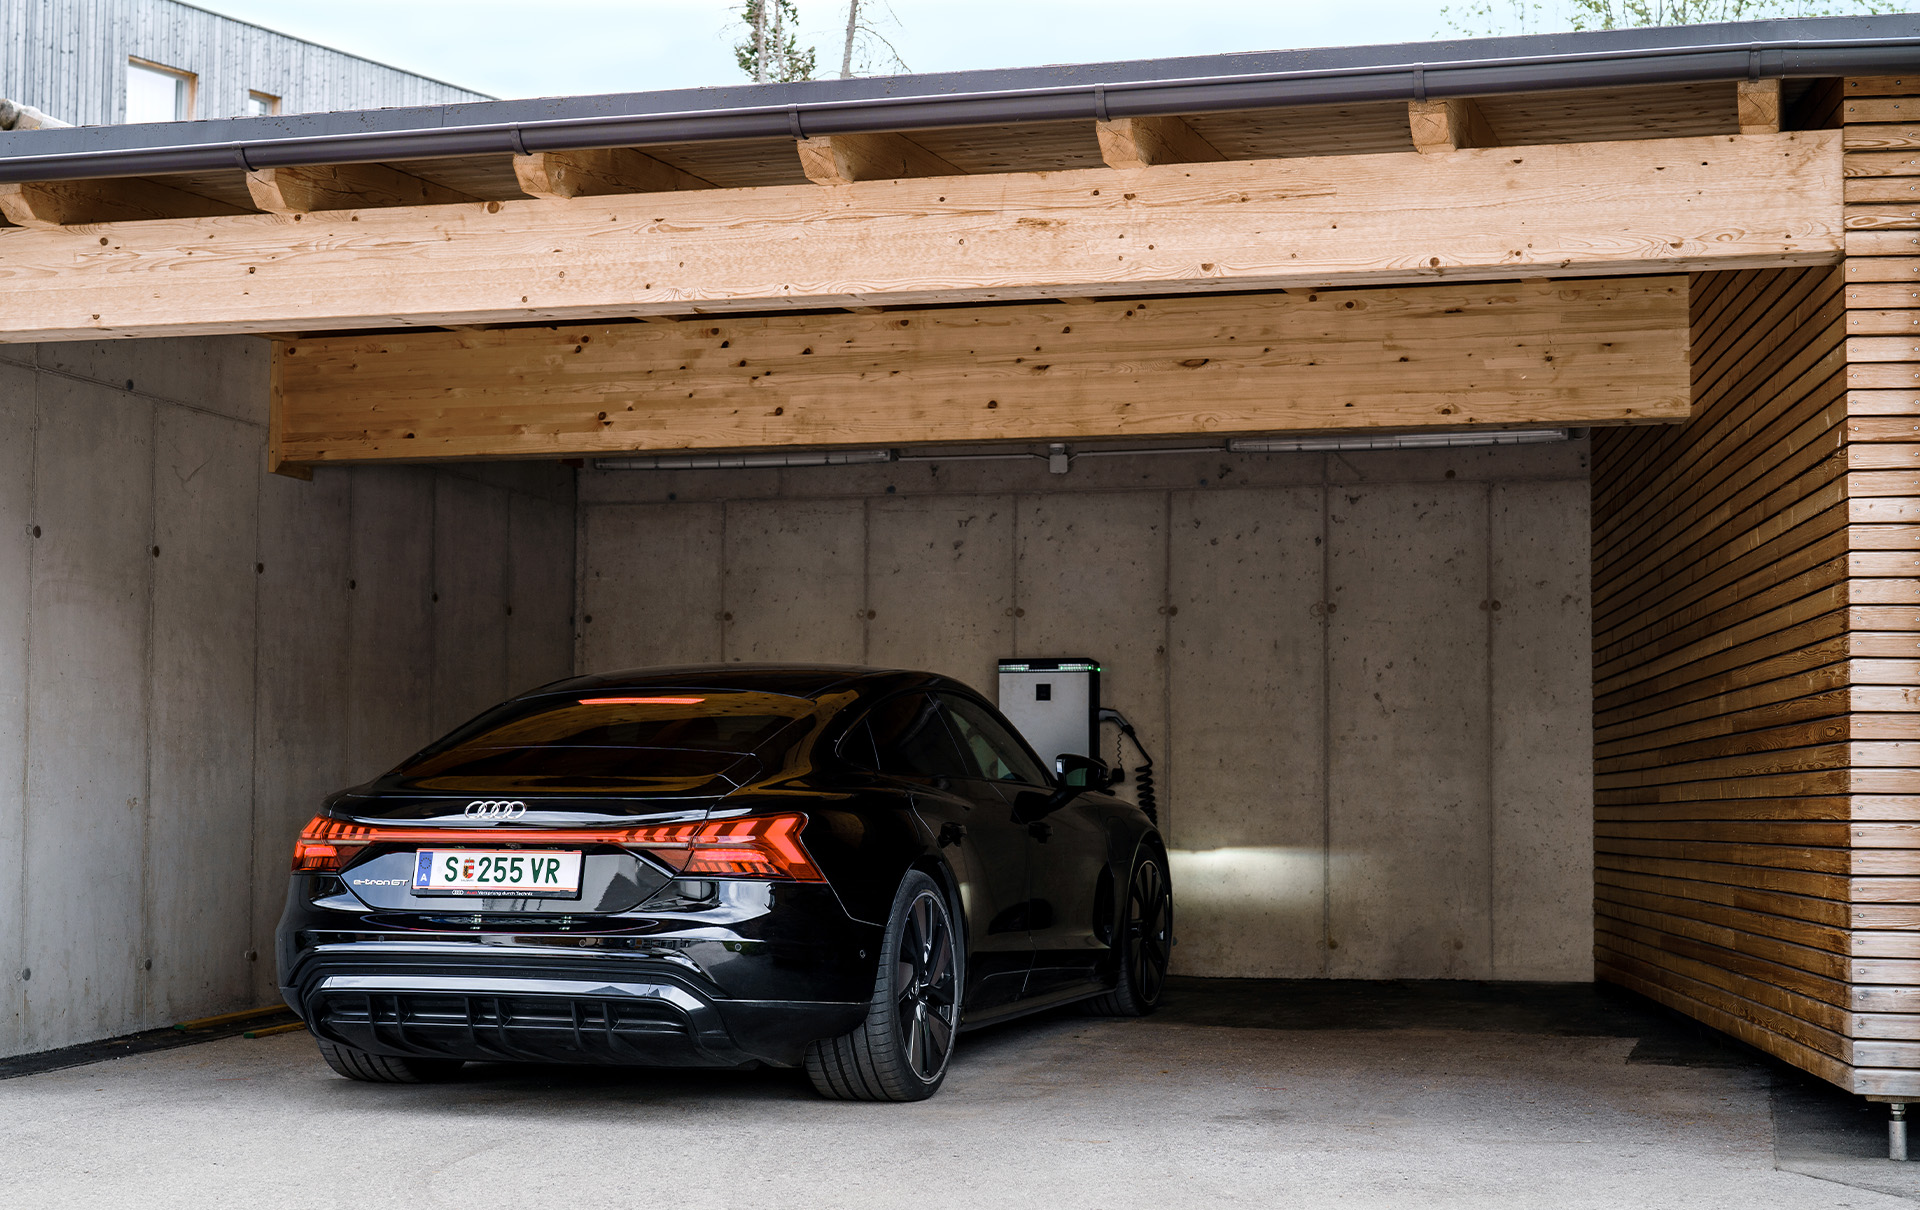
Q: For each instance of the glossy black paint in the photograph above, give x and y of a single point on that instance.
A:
(647, 967)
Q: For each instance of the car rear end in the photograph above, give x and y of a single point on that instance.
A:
(580, 877)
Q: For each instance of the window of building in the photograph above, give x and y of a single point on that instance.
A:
(158, 94)
(262, 104)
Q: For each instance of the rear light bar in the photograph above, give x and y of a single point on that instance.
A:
(760, 846)
(641, 701)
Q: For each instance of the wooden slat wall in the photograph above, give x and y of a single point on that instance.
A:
(1757, 649)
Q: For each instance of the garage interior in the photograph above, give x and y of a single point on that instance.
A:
(337, 428)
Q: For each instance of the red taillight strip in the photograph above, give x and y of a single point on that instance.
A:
(641, 701)
(758, 846)
(338, 831)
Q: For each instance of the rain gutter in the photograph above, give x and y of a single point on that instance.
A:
(1408, 81)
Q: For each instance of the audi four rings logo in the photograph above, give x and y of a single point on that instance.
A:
(491, 808)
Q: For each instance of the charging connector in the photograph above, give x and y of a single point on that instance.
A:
(1142, 773)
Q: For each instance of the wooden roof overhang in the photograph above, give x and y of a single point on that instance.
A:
(1214, 271)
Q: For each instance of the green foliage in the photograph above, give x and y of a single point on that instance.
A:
(1490, 17)
(771, 50)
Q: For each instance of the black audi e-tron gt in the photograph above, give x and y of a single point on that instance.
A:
(835, 868)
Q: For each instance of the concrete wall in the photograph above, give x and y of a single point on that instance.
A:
(192, 652)
(1366, 675)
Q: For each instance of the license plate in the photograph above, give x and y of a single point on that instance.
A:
(513, 873)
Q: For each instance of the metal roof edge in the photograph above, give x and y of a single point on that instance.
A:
(1550, 62)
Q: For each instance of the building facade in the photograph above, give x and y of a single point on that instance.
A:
(103, 62)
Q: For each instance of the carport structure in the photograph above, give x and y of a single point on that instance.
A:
(1370, 669)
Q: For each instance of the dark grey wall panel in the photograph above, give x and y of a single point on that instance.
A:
(1408, 730)
(469, 600)
(1457, 736)
(390, 661)
(1541, 569)
(940, 584)
(200, 687)
(539, 620)
(1246, 758)
(87, 717)
(653, 577)
(17, 388)
(167, 723)
(300, 740)
(795, 581)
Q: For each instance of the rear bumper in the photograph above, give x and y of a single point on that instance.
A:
(454, 1002)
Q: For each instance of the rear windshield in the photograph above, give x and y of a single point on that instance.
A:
(657, 740)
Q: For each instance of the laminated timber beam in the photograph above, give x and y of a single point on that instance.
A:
(598, 172)
(1452, 124)
(1144, 142)
(1758, 106)
(1446, 356)
(52, 204)
(842, 159)
(343, 187)
(1564, 210)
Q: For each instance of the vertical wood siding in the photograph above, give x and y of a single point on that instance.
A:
(69, 58)
(1757, 651)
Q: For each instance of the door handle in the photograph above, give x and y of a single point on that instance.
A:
(1040, 829)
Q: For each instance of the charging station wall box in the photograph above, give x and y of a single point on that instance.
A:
(1054, 702)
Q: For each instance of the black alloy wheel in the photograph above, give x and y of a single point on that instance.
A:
(924, 987)
(1146, 944)
(901, 1052)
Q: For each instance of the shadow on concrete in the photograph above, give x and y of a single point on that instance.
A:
(1819, 1130)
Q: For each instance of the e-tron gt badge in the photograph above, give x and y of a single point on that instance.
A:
(489, 808)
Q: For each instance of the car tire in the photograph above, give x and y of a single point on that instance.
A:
(1146, 944)
(384, 1069)
(901, 1051)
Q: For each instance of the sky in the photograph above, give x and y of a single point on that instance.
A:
(512, 48)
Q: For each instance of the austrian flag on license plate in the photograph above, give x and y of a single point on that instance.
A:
(506, 872)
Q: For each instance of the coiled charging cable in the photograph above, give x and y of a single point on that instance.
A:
(1142, 773)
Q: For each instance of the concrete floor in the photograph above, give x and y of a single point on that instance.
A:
(1240, 1093)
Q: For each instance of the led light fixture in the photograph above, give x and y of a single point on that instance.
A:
(1392, 441)
(719, 462)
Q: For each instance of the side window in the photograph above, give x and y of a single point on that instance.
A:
(910, 739)
(990, 747)
(856, 746)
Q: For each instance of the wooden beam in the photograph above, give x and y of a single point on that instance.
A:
(1143, 142)
(599, 172)
(343, 187)
(1759, 106)
(1565, 210)
(1445, 356)
(1452, 124)
(277, 465)
(842, 159)
(116, 200)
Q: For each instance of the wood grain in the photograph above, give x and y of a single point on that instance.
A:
(1573, 210)
(343, 187)
(1144, 142)
(1757, 103)
(1757, 649)
(598, 172)
(1449, 125)
(842, 159)
(1573, 353)
(55, 204)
